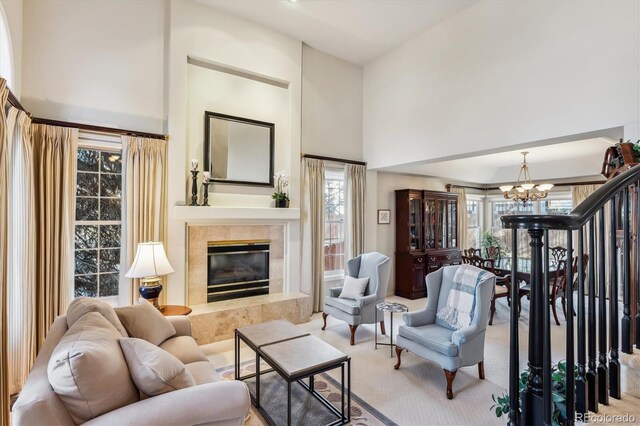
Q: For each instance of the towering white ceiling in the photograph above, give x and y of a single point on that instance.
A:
(357, 31)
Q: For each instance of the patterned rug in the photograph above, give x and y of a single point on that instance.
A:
(361, 412)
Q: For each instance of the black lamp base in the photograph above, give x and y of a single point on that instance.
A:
(150, 292)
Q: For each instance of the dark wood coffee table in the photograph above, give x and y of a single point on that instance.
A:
(295, 355)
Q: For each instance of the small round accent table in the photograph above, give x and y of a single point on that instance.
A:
(171, 310)
(391, 308)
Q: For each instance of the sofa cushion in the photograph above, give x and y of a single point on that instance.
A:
(87, 369)
(432, 336)
(349, 306)
(184, 348)
(203, 372)
(144, 321)
(81, 305)
(153, 370)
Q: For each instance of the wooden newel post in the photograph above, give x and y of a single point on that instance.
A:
(532, 399)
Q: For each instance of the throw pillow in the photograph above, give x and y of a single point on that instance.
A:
(81, 305)
(154, 371)
(145, 322)
(88, 371)
(353, 287)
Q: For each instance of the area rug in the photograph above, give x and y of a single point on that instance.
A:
(306, 409)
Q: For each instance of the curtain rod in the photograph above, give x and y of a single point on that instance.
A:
(93, 128)
(450, 186)
(16, 103)
(337, 160)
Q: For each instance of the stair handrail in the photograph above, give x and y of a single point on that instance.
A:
(582, 213)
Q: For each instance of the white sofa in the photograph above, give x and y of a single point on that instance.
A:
(211, 401)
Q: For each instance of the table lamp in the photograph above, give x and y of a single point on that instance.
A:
(149, 264)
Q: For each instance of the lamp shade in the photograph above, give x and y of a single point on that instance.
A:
(150, 261)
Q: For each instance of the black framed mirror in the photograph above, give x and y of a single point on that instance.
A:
(238, 150)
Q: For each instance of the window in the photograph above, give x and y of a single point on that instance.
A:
(334, 221)
(560, 204)
(6, 55)
(98, 222)
(474, 219)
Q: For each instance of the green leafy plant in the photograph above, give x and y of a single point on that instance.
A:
(489, 240)
(558, 390)
(636, 150)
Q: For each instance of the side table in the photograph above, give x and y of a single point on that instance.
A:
(391, 308)
(171, 310)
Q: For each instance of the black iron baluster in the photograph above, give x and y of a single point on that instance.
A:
(514, 346)
(625, 324)
(603, 371)
(532, 402)
(614, 363)
(592, 376)
(571, 388)
(546, 339)
(581, 379)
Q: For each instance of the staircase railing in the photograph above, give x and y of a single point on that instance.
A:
(596, 379)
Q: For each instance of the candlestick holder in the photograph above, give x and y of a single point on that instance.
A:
(194, 188)
(205, 193)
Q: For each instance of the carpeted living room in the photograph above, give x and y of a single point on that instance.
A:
(319, 212)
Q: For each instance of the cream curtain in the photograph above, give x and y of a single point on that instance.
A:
(54, 171)
(355, 180)
(4, 263)
(145, 200)
(462, 217)
(313, 231)
(21, 291)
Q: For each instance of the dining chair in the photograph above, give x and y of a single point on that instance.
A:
(493, 252)
(472, 252)
(503, 283)
(557, 254)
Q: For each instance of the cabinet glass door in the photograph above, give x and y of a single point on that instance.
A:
(430, 224)
(415, 224)
(452, 212)
(442, 224)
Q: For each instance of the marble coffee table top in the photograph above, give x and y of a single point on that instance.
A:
(270, 332)
(392, 307)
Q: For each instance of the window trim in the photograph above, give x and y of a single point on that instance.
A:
(336, 173)
(105, 142)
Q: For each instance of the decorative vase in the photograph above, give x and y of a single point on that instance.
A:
(282, 203)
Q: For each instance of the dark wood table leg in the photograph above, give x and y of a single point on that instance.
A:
(288, 403)
(257, 380)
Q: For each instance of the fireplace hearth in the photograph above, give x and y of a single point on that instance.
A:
(237, 269)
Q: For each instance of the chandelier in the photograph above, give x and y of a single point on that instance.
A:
(524, 190)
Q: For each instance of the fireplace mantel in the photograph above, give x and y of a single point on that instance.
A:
(257, 214)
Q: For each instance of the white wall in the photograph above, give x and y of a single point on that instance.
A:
(386, 185)
(224, 93)
(97, 61)
(331, 106)
(503, 73)
(13, 15)
(202, 33)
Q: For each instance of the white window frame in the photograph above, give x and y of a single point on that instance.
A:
(336, 172)
(482, 200)
(104, 142)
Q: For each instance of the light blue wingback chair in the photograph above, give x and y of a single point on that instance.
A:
(374, 265)
(433, 339)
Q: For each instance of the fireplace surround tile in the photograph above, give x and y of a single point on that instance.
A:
(199, 237)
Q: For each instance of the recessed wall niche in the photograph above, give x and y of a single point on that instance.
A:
(242, 94)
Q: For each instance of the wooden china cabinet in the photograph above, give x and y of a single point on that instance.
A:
(426, 238)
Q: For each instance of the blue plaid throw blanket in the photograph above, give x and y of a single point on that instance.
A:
(458, 312)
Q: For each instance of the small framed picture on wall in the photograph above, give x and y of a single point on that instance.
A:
(384, 216)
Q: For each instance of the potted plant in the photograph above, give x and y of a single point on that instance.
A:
(558, 389)
(489, 240)
(282, 182)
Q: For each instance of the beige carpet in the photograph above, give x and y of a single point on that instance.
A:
(414, 395)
